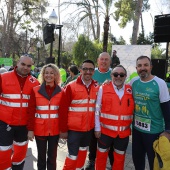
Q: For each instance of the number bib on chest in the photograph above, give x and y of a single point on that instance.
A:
(142, 123)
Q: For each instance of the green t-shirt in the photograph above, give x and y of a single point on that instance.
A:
(100, 77)
(148, 95)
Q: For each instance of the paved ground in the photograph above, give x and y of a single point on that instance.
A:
(31, 159)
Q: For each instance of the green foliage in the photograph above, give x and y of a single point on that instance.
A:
(158, 53)
(84, 46)
(145, 40)
(126, 9)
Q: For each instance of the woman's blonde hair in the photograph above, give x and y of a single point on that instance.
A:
(56, 73)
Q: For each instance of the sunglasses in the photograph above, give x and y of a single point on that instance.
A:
(117, 74)
(86, 69)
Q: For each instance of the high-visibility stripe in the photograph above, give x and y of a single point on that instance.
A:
(103, 150)
(82, 101)
(83, 148)
(20, 143)
(16, 96)
(46, 116)
(109, 116)
(47, 107)
(115, 128)
(129, 117)
(115, 117)
(119, 152)
(92, 101)
(122, 128)
(12, 104)
(5, 148)
(81, 109)
(72, 157)
(18, 163)
(9, 168)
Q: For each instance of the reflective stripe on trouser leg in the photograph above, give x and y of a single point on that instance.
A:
(70, 162)
(101, 158)
(81, 157)
(5, 158)
(20, 151)
(119, 159)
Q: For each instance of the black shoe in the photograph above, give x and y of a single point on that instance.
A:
(90, 165)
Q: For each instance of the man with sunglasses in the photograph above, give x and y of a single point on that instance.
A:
(15, 90)
(78, 112)
(113, 117)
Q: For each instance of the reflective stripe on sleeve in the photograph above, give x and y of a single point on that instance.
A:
(12, 104)
(16, 96)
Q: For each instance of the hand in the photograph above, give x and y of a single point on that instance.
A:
(97, 134)
(30, 135)
(166, 134)
(63, 135)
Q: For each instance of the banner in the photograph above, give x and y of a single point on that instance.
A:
(6, 61)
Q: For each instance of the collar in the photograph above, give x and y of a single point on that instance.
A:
(115, 87)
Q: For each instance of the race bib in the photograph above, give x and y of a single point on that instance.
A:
(143, 123)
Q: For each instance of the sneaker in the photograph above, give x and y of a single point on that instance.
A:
(90, 165)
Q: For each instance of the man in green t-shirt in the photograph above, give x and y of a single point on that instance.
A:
(151, 115)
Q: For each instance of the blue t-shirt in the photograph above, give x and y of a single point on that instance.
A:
(148, 95)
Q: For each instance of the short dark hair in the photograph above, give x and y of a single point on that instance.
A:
(120, 67)
(142, 57)
(88, 61)
(115, 51)
(74, 69)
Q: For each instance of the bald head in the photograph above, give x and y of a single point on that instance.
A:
(104, 61)
(24, 65)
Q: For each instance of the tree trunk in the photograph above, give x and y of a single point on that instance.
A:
(136, 21)
(106, 32)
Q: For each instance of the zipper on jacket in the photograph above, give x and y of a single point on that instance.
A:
(21, 109)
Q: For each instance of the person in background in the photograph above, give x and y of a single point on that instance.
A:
(15, 90)
(152, 111)
(11, 68)
(101, 74)
(113, 117)
(114, 59)
(43, 114)
(78, 112)
(3, 70)
(74, 73)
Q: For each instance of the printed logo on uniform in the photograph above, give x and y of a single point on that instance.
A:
(129, 90)
(32, 79)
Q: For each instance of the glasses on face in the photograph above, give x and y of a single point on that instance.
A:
(86, 69)
(117, 74)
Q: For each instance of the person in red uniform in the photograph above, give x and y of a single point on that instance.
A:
(15, 90)
(113, 117)
(44, 116)
(78, 112)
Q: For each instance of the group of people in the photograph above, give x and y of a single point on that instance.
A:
(88, 112)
